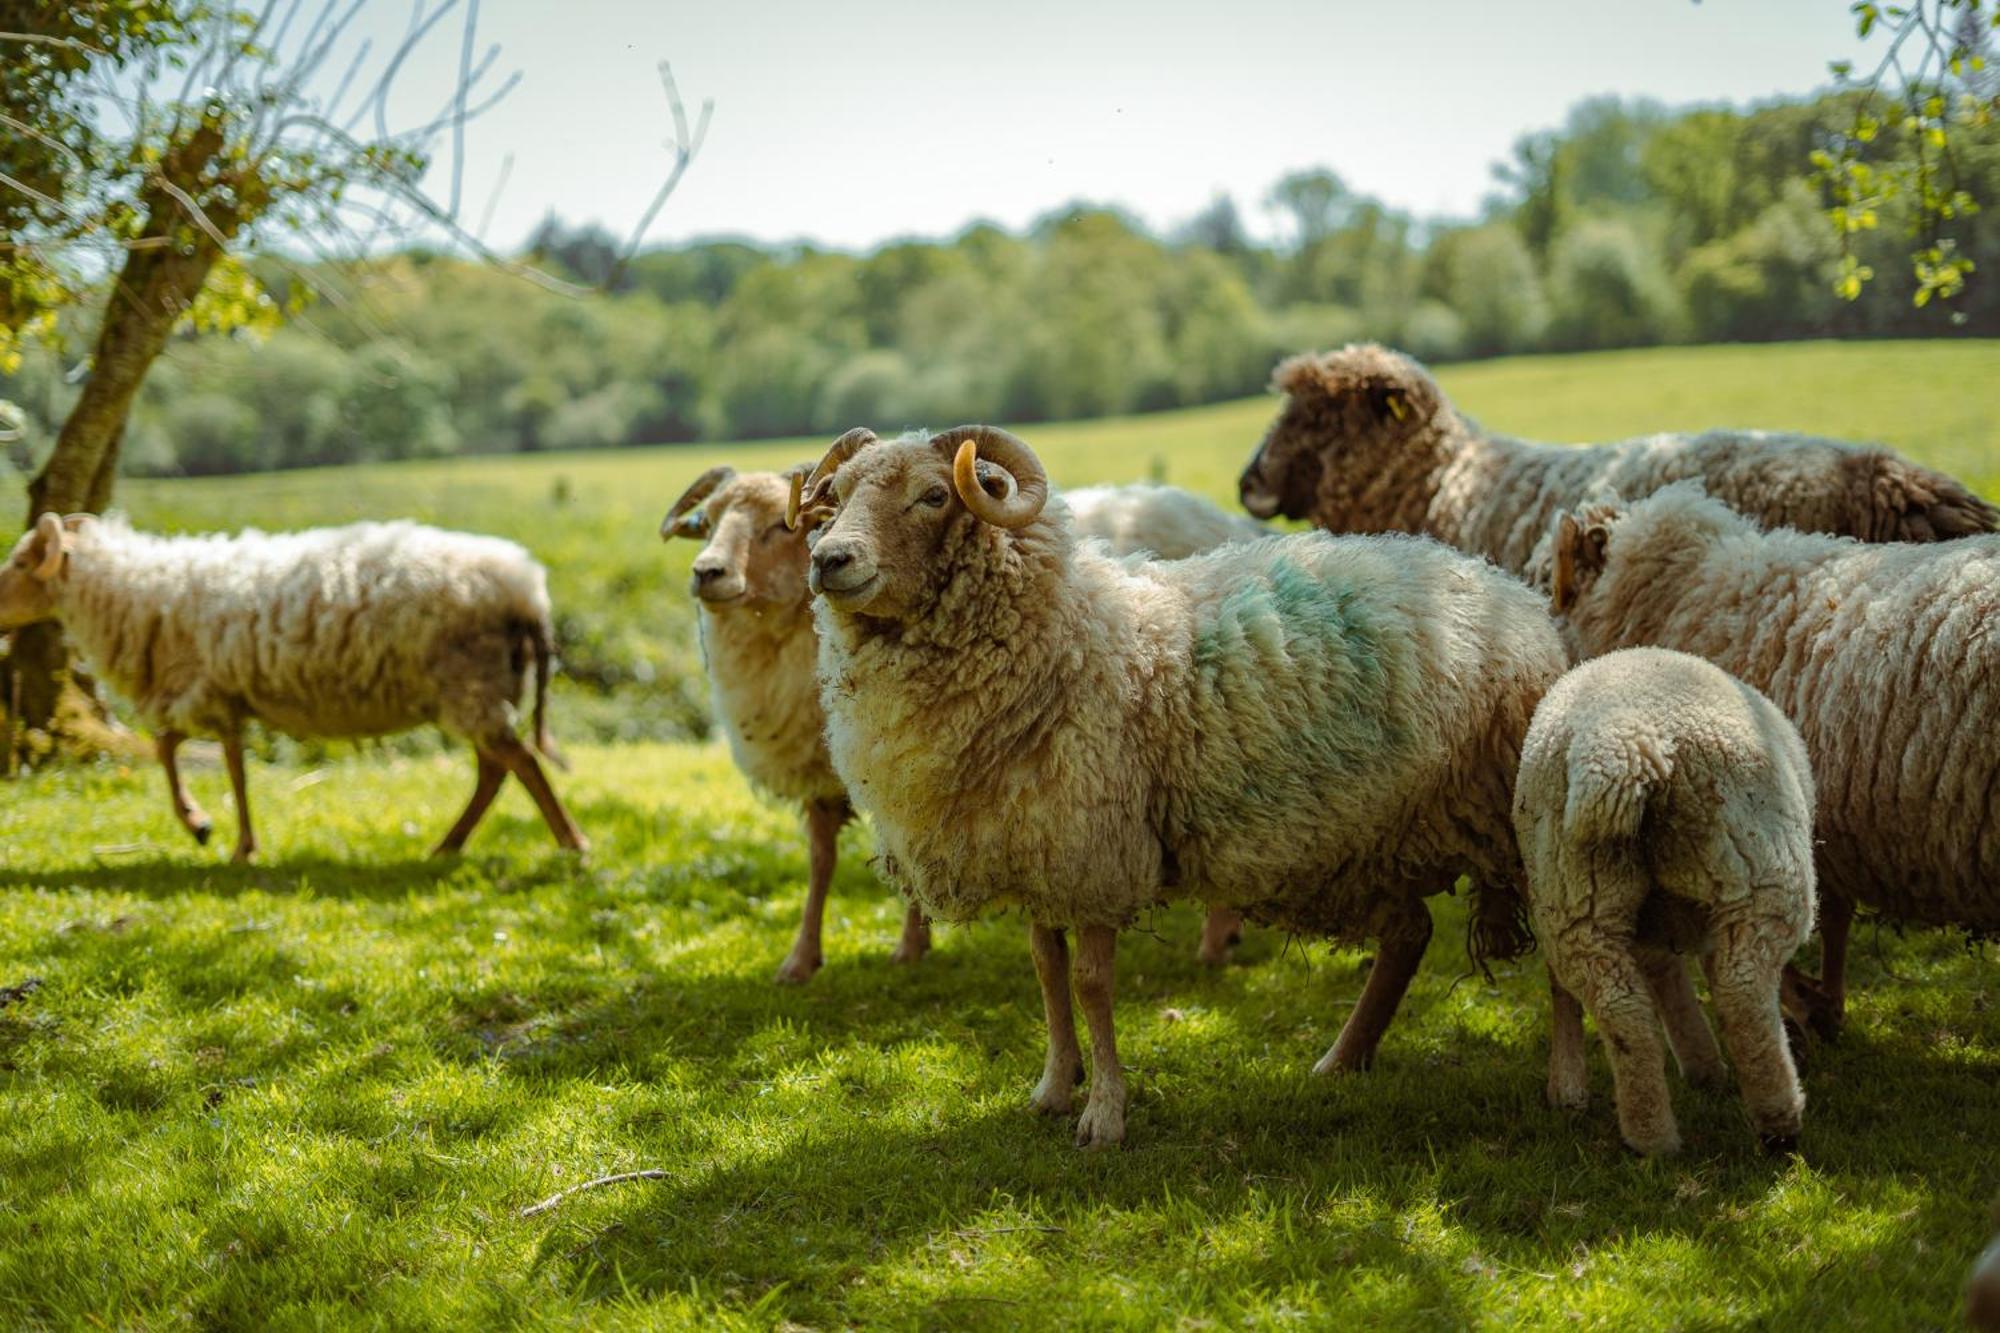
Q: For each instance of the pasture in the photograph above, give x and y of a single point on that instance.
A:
(324, 1088)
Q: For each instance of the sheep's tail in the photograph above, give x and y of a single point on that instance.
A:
(1915, 504)
(542, 642)
(1609, 789)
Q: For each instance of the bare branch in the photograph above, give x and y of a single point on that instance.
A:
(561, 1195)
(685, 146)
(458, 120)
(493, 199)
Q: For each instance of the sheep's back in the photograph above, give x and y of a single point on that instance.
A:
(1499, 497)
(1888, 660)
(1350, 719)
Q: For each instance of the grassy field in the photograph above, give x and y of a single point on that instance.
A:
(322, 1090)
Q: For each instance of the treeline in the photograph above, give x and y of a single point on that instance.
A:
(1631, 225)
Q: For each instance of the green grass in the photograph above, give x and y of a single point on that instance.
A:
(321, 1090)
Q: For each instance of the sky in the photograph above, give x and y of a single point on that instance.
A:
(852, 123)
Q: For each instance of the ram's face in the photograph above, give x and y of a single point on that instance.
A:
(36, 562)
(750, 556)
(895, 504)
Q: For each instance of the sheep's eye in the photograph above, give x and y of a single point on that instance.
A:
(936, 496)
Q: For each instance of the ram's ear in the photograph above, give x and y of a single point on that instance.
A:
(50, 536)
(1579, 558)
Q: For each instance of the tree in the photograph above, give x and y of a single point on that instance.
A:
(1931, 88)
(227, 137)
(1313, 200)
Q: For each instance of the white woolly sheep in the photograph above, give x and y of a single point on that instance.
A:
(1887, 658)
(1982, 1287)
(758, 644)
(1321, 732)
(1665, 807)
(331, 632)
(1367, 442)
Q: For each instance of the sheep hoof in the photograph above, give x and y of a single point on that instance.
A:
(910, 951)
(797, 970)
(1653, 1145)
(1337, 1061)
(1707, 1076)
(1053, 1095)
(1779, 1145)
(201, 829)
(1571, 1101)
(1102, 1124)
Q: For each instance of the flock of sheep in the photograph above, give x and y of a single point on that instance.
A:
(1670, 699)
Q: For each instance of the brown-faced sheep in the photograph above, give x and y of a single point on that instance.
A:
(331, 632)
(1366, 441)
(1320, 731)
(1887, 658)
(759, 647)
(1665, 807)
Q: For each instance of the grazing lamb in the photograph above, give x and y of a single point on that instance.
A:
(1367, 442)
(1665, 807)
(1317, 731)
(1886, 657)
(331, 632)
(758, 643)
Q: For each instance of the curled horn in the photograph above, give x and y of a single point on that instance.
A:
(809, 498)
(685, 519)
(50, 529)
(1028, 489)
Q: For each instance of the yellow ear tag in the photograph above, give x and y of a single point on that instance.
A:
(1396, 407)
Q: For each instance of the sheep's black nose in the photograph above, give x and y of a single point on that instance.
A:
(706, 573)
(832, 560)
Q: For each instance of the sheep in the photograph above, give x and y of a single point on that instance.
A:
(1982, 1286)
(330, 632)
(1320, 732)
(758, 644)
(761, 652)
(1887, 658)
(1664, 806)
(1367, 442)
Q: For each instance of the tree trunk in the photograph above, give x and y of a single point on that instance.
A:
(155, 287)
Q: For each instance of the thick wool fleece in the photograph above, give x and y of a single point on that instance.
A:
(353, 631)
(1145, 518)
(762, 660)
(1314, 729)
(1368, 442)
(1663, 805)
(1886, 657)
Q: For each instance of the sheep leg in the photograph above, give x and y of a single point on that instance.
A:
(823, 821)
(196, 821)
(1688, 1033)
(916, 940)
(521, 762)
(246, 837)
(1745, 984)
(1219, 932)
(1836, 917)
(1569, 1074)
(1103, 1121)
(1613, 987)
(484, 788)
(1063, 1069)
(1403, 941)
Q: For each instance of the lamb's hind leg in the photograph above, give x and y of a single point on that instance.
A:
(521, 762)
(1688, 1034)
(1569, 1072)
(1403, 941)
(1745, 981)
(1103, 1120)
(1062, 1070)
(486, 785)
(193, 818)
(916, 937)
(1613, 987)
